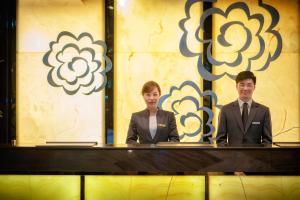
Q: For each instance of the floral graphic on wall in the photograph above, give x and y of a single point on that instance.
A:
(185, 102)
(77, 64)
(245, 39)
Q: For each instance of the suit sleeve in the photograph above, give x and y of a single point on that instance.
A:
(132, 132)
(173, 133)
(267, 129)
(222, 129)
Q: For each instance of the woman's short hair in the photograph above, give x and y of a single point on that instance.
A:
(149, 86)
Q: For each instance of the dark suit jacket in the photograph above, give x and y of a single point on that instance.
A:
(139, 128)
(258, 127)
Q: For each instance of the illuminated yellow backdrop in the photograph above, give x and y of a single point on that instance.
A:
(254, 187)
(278, 86)
(147, 37)
(145, 187)
(46, 113)
(147, 48)
(47, 187)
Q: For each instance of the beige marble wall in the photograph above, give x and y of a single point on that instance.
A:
(46, 113)
(27, 187)
(145, 187)
(149, 187)
(254, 187)
(147, 39)
(277, 86)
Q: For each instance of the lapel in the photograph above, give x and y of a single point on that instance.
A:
(253, 109)
(158, 120)
(237, 114)
(146, 115)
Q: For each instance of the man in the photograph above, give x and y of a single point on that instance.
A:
(244, 121)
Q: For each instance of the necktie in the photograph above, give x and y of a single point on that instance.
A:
(245, 114)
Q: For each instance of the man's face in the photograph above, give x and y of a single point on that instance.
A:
(245, 89)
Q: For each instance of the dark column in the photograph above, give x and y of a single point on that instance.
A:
(7, 71)
(207, 85)
(109, 89)
(82, 187)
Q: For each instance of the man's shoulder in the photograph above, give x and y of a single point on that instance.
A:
(229, 105)
(261, 106)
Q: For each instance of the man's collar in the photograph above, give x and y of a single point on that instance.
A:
(240, 102)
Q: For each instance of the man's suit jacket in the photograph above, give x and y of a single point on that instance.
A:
(258, 127)
(139, 128)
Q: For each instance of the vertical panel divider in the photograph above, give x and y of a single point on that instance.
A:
(82, 187)
(8, 71)
(109, 89)
(207, 85)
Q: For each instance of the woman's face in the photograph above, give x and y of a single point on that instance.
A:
(151, 98)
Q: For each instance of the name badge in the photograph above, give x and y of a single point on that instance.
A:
(162, 125)
(255, 122)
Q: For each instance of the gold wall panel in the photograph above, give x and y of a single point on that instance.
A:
(254, 187)
(144, 187)
(147, 38)
(29, 187)
(277, 86)
(46, 113)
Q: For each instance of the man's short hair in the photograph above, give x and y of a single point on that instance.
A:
(245, 75)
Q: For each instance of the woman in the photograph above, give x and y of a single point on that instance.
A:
(152, 125)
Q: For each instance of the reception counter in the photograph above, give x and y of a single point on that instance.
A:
(161, 158)
(185, 171)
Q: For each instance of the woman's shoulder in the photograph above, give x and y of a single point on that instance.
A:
(139, 113)
(166, 112)
(146, 112)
